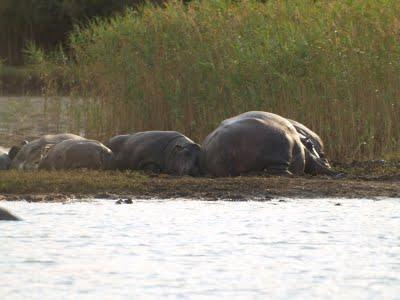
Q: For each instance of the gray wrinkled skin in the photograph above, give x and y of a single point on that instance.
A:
(77, 154)
(5, 160)
(159, 151)
(259, 141)
(30, 155)
(5, 215)
(117, 142)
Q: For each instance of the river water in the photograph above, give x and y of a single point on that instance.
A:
(287, 249)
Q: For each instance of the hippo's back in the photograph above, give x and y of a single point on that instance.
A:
(31, 153)
(74, 154)
(57, 138)
(5, 215)
(249, 142)
(117, 142)
(147, 147)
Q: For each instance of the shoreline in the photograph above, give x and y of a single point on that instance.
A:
(40, 186)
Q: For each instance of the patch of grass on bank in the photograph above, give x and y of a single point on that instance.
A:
(86, 182)
(371, 169)
(332, 65)
(139, 184)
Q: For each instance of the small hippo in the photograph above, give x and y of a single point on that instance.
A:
(30, 154)
(159, 151)
(76, 154)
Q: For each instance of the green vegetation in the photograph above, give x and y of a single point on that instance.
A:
(332, 65)
(69, 181)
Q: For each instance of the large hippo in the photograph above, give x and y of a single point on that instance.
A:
(259, 141)
(310, 140)
(5, 160)
(159, 151)
(30, 154)
(76, 154)
(5, 215)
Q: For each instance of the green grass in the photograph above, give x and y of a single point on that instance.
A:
(369, 179)
(70, 181)
(332, 65)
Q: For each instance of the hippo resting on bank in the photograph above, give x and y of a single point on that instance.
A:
(76, 154)
(159, 151)
(30, 154)
(5, 160)
(261, 141)
(5, 215)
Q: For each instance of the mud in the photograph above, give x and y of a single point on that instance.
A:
(235, 189)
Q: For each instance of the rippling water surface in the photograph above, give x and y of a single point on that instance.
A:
(298, 249)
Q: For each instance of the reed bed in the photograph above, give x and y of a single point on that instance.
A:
(332, 65)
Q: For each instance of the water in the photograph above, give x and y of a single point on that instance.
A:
(298, 249)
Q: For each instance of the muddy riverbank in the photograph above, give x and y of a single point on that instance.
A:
(370, 180)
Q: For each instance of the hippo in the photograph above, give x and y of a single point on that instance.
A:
(5, 215)
(5, 160)
(159, 151)
(116, 142)
(76, 154)
(313, 143)
(259, 141)
(30, 154)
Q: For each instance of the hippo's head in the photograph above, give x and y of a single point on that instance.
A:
(185, 160)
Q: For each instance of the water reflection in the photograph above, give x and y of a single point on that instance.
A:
(294, 249)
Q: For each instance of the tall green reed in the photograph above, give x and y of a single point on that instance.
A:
(332, 65)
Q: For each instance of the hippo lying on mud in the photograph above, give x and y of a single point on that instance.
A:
(77, 153)
(30, 154)
(5, 215)
(261, 141)
(158, 151)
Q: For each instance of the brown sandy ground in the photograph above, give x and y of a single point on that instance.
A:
(369, 179)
